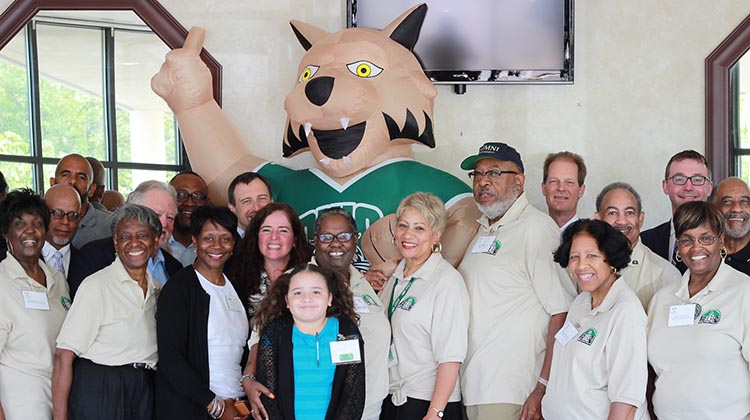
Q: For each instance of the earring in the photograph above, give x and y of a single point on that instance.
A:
(437, 247)
(678, 257)
(723, 253)
(393, 240)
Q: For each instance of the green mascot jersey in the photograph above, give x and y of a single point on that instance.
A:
(370, 195)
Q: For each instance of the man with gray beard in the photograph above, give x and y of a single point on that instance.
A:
(64, 204)
(519, 296)
(732, 196)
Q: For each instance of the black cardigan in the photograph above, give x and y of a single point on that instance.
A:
(182, 379)
(275, 369)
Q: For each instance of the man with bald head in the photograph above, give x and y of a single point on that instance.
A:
(732, 196)
(619, 204)
(192, 192)
(76, 171)
(65, 214)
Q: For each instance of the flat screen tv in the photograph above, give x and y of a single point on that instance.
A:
(484, 41)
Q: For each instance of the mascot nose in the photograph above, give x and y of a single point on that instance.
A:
(319, 89)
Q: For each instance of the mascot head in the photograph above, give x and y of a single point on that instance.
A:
(358, 92)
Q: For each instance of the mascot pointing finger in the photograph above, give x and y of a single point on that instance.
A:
(360, 101)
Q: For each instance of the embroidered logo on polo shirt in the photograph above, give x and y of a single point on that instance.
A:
(369, 300)
(712, 316)
(408, 303)
(65, 302)
(587, 337)
(698, 309)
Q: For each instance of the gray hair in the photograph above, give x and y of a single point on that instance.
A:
(138, 213)
(144, 187)
(618, 186)
(332, 211)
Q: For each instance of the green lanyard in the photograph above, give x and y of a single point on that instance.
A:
(393, 305)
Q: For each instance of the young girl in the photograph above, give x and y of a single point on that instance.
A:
(311, 354)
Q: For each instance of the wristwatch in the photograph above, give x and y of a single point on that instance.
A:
(440, 413)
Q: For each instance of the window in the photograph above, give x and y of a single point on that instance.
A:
(71, 85)
(739, 82)
(727, 110)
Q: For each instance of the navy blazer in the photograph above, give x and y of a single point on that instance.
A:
(99, 254)
(657, 240)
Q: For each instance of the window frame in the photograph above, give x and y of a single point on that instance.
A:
(722, 137)
(19, 15)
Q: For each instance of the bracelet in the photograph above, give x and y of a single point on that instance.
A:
(542, 381)
(248, 376)
(217, 408)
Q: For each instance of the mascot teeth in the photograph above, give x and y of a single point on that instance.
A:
(325, 161)
(308, 128)
(347, 160)
(344, 123)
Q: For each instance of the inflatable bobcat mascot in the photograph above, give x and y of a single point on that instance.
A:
(361, 99)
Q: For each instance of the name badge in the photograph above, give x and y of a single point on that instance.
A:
(234, 304)
(681, 315)
(486, 245)
(35, 300)
(392, 356)
(345, 352)
(360, 306)
(566, 333)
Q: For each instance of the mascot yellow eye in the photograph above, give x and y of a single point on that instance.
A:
(308, 72)
(364, 69)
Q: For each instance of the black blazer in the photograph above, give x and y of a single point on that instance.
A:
(657, 240)
(99, 254)
(182, 378)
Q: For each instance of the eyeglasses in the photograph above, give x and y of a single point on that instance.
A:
(342, 237)
(492, 175)
(198, 197)
(59, 214)
(703, 240)
(682, 179)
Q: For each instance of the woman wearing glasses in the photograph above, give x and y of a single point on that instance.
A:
(428, 306)
(699, 329)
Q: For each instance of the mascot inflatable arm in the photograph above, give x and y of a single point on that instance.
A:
(361, 99)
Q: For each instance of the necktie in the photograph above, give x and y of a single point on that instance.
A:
(57, 263)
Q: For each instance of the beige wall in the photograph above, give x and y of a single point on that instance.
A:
(637, 99)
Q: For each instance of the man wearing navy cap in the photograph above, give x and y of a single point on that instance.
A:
(519, 296)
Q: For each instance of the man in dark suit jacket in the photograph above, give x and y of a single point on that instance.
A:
(686, 178)
(159, 197)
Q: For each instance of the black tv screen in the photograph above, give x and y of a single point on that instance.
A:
(484, 41)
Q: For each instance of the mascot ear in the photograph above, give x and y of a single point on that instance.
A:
(307, 34)
(405, 29)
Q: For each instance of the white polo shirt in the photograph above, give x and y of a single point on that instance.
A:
(111, 323)
(702, 369)
(513, 293)
(429, 327)
(648, 272)
(27, 338)
(605, 362)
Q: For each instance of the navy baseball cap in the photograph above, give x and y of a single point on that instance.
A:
(499, 151)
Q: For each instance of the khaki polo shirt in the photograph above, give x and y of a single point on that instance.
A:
(27, 339)
(702, 369)
(429, 327)
(605, 362)
(648, 272)
(110, 322)
(376, 331)
(513, 293)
